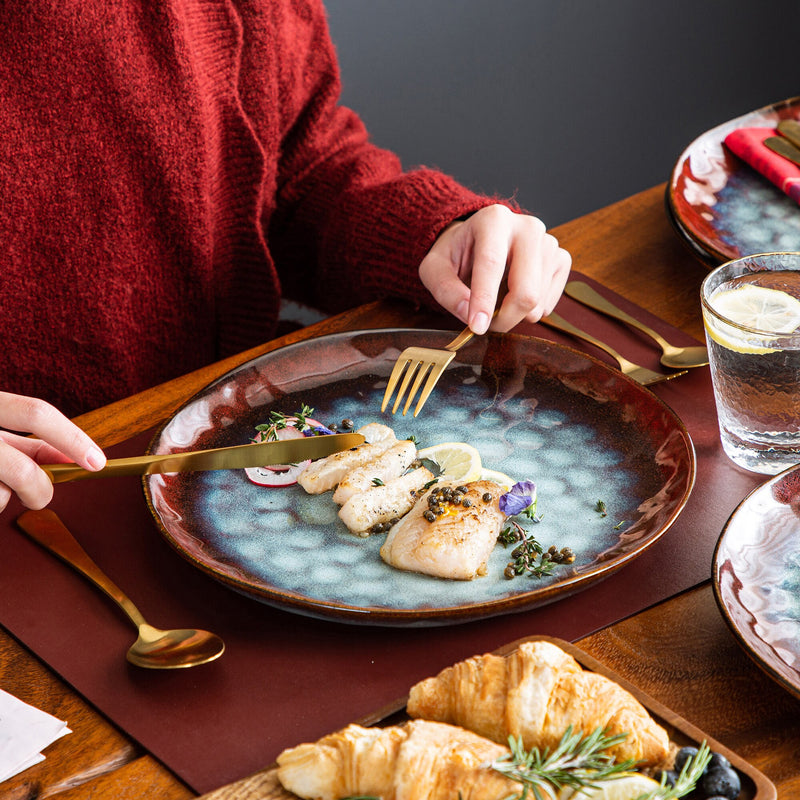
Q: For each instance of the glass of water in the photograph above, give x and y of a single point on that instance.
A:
(751, 313)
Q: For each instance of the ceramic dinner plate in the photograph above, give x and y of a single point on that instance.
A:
(534, 410)
(757, 576)
(722, 206)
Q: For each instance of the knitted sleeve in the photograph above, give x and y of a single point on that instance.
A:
(346, 204)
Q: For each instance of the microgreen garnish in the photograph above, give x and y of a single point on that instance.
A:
(600, 508)
(377, 482)
(268, 431)
(619, 525)
(577, 761)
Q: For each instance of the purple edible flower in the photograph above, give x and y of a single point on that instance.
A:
(317, 430)
(520, 497)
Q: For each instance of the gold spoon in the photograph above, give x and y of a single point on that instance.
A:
(154, 649)
(672, 356)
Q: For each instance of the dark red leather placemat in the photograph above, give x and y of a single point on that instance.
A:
(286, 678)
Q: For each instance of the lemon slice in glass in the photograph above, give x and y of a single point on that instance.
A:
(769, 310)
(626, 787)
(459, 461)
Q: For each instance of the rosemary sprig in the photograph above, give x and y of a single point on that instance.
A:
(691, 773)
(583, 763)
(577, 761)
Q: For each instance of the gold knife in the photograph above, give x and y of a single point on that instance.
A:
(284, 451)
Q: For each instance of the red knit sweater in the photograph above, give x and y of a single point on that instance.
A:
(169, 169)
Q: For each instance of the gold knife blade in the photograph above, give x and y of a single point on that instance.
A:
(783, 147)
(284, 451)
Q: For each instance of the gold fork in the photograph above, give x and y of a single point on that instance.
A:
(640, 374)
(416, 362)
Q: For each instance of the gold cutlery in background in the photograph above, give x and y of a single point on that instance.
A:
(154, 648)
(261, 454)
(639, 373)
(788, 143)
(671, 356)
(783, 147)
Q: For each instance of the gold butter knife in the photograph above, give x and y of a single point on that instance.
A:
(262, 454)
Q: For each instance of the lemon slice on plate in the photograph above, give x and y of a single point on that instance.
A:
(459, 461)
(626, 787)
(497, 477)
(770, 310)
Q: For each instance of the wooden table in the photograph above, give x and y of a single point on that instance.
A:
(679, 652)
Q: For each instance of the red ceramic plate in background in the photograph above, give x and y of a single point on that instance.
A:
(757, 577)
(721, 206)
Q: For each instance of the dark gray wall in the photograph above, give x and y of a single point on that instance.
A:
(567, 104)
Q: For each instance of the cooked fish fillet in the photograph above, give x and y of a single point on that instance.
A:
(417, 761)
(384, 503)
(391, 463)
(325, 473)
(457, 544)
(374, 432)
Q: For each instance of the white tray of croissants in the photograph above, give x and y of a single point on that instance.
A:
(469, 732)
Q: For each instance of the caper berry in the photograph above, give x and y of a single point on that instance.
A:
(509, 571)
(347, 423)
(466, 502)
(429, 515)
(487, 497)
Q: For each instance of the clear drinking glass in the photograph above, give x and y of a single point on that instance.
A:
(751, 312)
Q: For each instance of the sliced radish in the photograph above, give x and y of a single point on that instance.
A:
(277, 475)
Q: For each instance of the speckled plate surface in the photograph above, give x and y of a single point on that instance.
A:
(722, 206)
(757, 576)
(534, 409)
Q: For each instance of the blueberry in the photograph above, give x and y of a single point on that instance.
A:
(669, 776)
(718, 760)
(722, 781)
(682, 756)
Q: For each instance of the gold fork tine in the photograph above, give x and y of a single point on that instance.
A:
(422, 371)
(399, 365)
(433, 379)
(412, 367)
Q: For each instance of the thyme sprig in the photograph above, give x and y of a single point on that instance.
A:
(577, 761)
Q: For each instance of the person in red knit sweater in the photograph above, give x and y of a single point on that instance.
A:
(170, 171)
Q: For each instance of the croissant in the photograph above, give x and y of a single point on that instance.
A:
(417, 761)
(536, 693)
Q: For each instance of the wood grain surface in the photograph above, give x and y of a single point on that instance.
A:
(680, 652)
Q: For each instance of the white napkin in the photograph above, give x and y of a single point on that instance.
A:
(24, 732)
